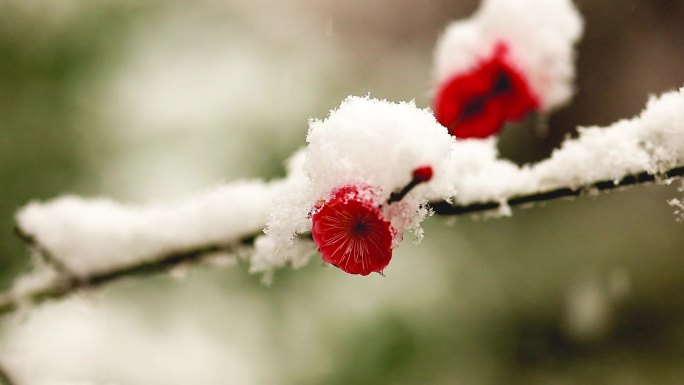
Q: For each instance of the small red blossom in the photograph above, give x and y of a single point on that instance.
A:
(478, 103)
(422, 174)
(351, 233)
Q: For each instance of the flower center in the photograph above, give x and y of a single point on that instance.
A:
(359, 228)
(476, 105)
(473, 108)
(502, 84)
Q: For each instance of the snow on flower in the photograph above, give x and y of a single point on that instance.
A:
(351, 231)
(510, 58)
(357, 158)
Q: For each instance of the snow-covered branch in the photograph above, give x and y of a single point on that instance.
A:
(90, 242)
(51, 283)
(446, 208)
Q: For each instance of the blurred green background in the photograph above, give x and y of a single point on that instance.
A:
(156, 99)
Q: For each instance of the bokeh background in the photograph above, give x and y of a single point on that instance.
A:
(148, 100)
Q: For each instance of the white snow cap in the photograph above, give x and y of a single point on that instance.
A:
(652, 141)
(540, 36)
(96, 235)
(372, 142)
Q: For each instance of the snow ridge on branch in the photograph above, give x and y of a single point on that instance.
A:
(49, 284)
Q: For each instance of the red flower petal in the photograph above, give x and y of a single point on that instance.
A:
(489, 121)
(351, 233)
(477, 104)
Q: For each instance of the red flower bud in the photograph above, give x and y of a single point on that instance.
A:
(351, 233)
(422, 174)
(478, 103)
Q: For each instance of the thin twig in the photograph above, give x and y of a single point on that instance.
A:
(444, 208)
(43, 253)
(72, 284)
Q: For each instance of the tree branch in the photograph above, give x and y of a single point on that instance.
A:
(70, 284)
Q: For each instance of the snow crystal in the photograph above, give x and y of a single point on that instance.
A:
(540, 36)
(678, 204)
(371, 142)
(267, 256)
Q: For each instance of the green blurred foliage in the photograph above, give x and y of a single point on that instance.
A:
(46, 68)
(508, 288)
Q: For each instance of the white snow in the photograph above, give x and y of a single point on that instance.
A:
(90, 236)
(42, 277)
(480, 176)
(540, 35)
(678, 203)
(267, 257)
(97, 235)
